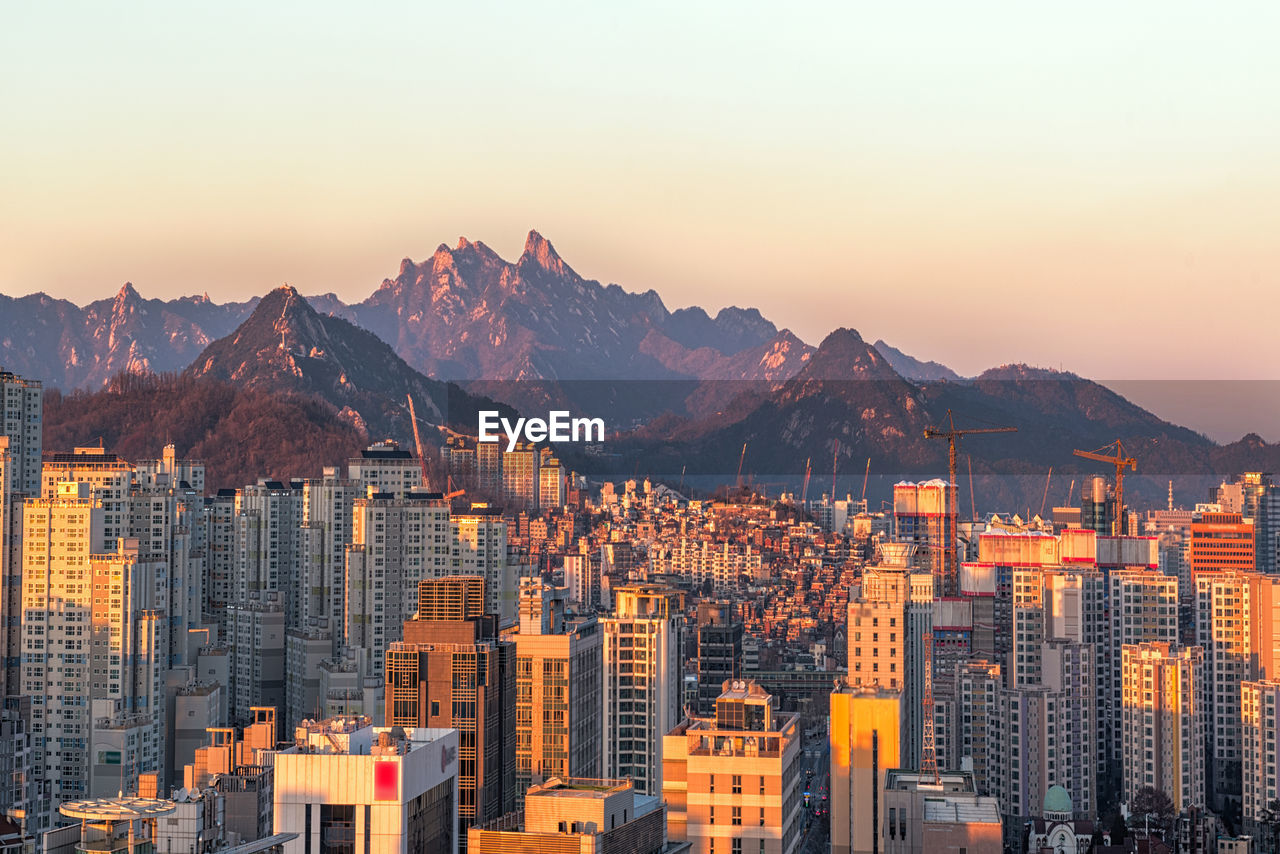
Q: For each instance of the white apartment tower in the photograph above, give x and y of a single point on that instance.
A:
(94, 633)
(643, 664)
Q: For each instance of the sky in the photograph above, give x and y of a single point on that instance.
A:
(1090, 186)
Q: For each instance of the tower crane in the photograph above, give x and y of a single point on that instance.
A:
(451, 493)
(952, 435)
(1121, 462)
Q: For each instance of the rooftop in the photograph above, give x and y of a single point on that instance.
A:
(116, 809)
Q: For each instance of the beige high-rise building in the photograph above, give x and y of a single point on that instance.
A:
(732, 782)
(1260, 711)
(1162, 723)
(864, 746)
(1237, 616)
(643, 681)
(559, 680)
(21, 422)
(479, 547)
(888, 622)
(95, 647)
(397, 542)
(520, 476)
(1144, 609)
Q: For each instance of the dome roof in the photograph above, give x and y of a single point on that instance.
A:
(1057, 800)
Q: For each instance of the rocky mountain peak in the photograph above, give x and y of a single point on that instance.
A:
(539, 251)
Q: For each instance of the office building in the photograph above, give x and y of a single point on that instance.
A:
(1162, 723)
(459, 673)
(572, 815)
(643, 667)
(733, 782)
(348, 786)
(889, 623)
(719, 652)
(1221, 542)
(559, 685)
(865, 722)
(942, 814)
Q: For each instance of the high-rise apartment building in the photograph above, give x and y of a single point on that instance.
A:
(457, 672)
(479, 547)
(732, 782)
(1237, 622)
(386, 469)
(94, 659)
(559, 684)
(643, 673)
(1162, 723)
(719, 652)
(865, 722)
(21, 421)
(552, 492)
(1260, 708)
(889, 623)
(1143, 605)
(397, 542)
(967, 722)
(924, 515)
(520, 476)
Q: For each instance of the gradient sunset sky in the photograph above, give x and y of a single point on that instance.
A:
(1089, 185)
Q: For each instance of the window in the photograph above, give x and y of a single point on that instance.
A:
(737, 816)
(737, 784)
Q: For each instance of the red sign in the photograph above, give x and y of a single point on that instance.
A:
(386, 781)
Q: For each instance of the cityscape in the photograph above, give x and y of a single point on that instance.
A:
(883, 459)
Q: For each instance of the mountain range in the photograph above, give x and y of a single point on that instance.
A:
(681, 389)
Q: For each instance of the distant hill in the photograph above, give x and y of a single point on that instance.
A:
(286, 346)
(240, 433)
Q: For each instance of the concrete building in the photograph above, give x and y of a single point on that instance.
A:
(559, 685)
(95, 639)
(551, 484)
(719, 652)
(865, 722)
(924, 814)
(397, 541)
(733, 782)
(21, 422)
(347, 785)
(256, 640)
(924, 515)
(1221, 541)
(967, 722)
(1162, 724)
(385, 468)
(1260, 708)
(643, 665)
(888, 624)
(459, 673)
(520, 476)
(479, 547)
(577, 816)
(1143, 605)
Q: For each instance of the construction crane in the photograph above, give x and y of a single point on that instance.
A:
(1045, 499)
(952, 435)
(929, 748)
(866, 474)
(804, 490)
(1121, 462)
(835, 458)
(741, 460)
(451, 493)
